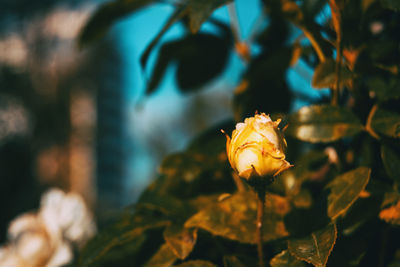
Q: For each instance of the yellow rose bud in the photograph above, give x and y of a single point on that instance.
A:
(257, 148)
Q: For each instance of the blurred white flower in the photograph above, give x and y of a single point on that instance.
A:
(67, 213)
(46, 238)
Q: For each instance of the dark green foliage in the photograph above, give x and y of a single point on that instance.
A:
(285, 259)
(199, 59)
(386, 122)
(338, 205)
(325, 77)
(391, 161)
(263, 85)
(345, 189)
(315, 248)
(323, 123)
(193, 11)
(106, 15)
(234, 218)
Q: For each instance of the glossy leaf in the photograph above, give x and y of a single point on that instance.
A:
(199, 58)
(315, 248)
(165, 57)
(176, 16)
(121, 233)
(391, 161)
(197, 12)
(386, 122)
(105, 16)
(323, 123)
(196, 263)
(180, 240)
(234, 218)
(285, 259)
(164, 257)
(325, 75)
(345, 190)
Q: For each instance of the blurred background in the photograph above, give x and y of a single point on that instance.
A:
(79, 120)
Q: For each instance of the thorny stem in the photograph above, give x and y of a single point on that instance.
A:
(259, 226)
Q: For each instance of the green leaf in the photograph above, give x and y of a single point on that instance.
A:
(178, 14)
(169, 206)
(323, 123)
(386, 122)
(268, 68)
(345, 190)
(234, 218)
(285, 259)
(391, 161)
(164, 257)
(325, 75)
(188, 174)
(391, 4)
(212, 142)
(295, 14)
(384, 89)
(105, 16)
(197, 12)
(199, 58)
(165, 57)
(180, 240)
(196, 263)
(124, 232)
(315, 248)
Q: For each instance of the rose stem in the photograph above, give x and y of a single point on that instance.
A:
(238, 183)
(259, 225)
